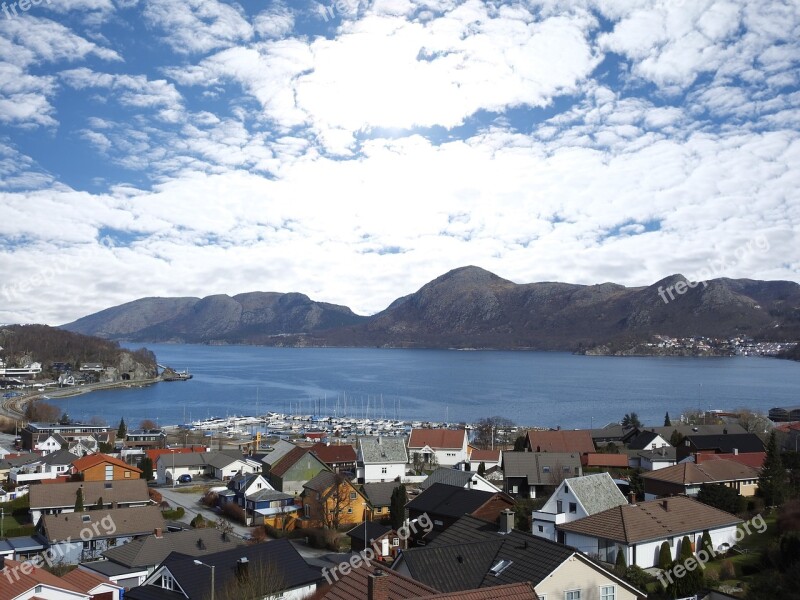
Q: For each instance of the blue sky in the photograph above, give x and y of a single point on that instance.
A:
(353, 151)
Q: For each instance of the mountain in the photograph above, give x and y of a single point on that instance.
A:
(470, 307)
(253, 318)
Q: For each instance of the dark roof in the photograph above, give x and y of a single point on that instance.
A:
(110, 568)
(450, 501)
(325, 480)
(374, 531)
(379, 494)
(115, 523)
(64, 494)
(727, 443)
(151, 550)
(59, 457)
(195, 580)
(287, 461)
(462, 557)
(335, 453)
(541, 468)
(643, 440)
(448, 476)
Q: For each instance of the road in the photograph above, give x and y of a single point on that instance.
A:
(191, 504)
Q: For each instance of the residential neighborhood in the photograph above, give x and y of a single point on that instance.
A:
(598, 513)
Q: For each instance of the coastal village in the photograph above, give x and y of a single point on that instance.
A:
(324, 508)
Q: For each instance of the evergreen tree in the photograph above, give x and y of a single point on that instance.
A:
(631, 420)
(79, 500)
(621, 565)
(99, 505)
(676, 439)
(706, 543)
(693, 580)
(481, 469)
(664, 557)
(397, 507)
(722, 497)
(519, 443)
(146, 465)
(772, 483)
(122, 430)
(667, 421)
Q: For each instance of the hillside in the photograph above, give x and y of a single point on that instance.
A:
(26, 344)
(470, 307)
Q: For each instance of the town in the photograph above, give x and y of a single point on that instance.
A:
(617, 512)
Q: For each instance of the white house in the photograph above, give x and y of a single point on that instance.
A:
(478, 457)
(53, 465)
(648, 440)
(638, 530)
(442, 447)
(652, 460)
(575, 499)
(30, 582)
(381, 459)
(217, 465)
(463, 479)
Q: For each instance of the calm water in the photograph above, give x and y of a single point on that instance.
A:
(531, 388)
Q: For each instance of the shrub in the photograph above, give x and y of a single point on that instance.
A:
(727, 570)
(316, 538)
(273, 532)
(199, 522)
(173, 515)
(164, 505)
(638, 577)
(210, 499)
(155, 496)
(235, 512)
(664, 557)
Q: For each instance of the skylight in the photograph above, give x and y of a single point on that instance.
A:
(500, 566)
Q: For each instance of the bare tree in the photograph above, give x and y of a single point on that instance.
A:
(252, 581)
(753, 422)
(148, 424)
(335, 501)
(493, 432)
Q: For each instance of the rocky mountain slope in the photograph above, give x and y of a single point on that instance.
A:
(473, 308)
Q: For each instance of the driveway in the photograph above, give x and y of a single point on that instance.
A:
(191, 504)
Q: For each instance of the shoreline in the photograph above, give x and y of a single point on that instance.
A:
(14, 408)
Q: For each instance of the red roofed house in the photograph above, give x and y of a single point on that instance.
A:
(338, 457)
(154, 453)
(578, 440)
(489, 458)
(27, 581)
(101, 467)
(604, 461)
(443, 447)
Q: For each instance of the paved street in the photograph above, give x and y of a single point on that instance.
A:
(192, 506)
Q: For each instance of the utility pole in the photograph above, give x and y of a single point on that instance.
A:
(197, 562)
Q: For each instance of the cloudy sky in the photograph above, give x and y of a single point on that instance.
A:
(355, 150)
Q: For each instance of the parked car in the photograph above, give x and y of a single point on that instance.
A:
(185, 478)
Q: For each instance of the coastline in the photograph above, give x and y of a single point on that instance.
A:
(14, 408)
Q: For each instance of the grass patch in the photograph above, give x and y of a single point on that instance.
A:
(192, 489)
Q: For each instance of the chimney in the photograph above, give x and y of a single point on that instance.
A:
(632, 497)
(158, 532)
(507, 521)
(735, 451)
(665, 504)
(378, 585)
(242, 569)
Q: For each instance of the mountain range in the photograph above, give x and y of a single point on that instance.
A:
(469, 307)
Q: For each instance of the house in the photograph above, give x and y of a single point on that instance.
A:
(60, 498)
(34, 433)
(648, 440)
(487, 458)
(294, 470)
(652, 460)
(102, 467)
(146, 439)
(379, 497)
(686, 478)
(467, 480)
(337, 457)
(438, 447)
(533, 474)
(279, 450)
(213, 464)
(330, 500)
(134, 561)
(746, 448)
(638, 530)
(276, 562)
(18, 492)
(383, 540)
(56, 465)
(381, 459)
(604, 461)
(92, 367)
(578, 441)
(477, 554)
(16, 461)
(29, 581)
(22, 547)
(155, 453)
(445, 504)
(574, 499)
(261, 502)
(78, 537)
(614, 433)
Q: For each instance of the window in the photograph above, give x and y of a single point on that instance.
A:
(514, 489)
(566, 469)
(573, 507)
(395, 542)
(352, 495)
(545, 469)
(349, 510)
(559, 507)
(86, 518)
(167, 582)
(500, 566)
(608, 592)
(109, 472)
(572, 595)
(383, 470)
(541, 528)
(127, 474)
(37, 589)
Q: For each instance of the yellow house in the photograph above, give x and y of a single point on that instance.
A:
(331, 501)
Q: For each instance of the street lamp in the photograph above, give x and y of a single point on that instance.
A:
(198, 562)
(173, 466)
(2, 518)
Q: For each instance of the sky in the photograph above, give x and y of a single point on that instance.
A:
(355, 150)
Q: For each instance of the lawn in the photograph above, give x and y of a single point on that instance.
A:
(752, 547)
